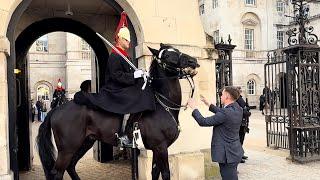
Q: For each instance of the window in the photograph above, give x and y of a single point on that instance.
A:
(214, 4)
(201, 9)
(85, 50)
(248, 38)
(42, 44)
(251, 87)
(250, 2)
(43, 92)
(216, 37)
(280, 6)
(84, 45)
(280, 35)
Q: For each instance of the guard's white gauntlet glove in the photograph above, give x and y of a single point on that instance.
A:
(138, 73)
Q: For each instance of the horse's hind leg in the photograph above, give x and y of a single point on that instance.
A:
(87, 144)
(155, 169)
(161, 160)
(63, 160)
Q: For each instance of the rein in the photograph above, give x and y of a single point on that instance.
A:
(182, 75)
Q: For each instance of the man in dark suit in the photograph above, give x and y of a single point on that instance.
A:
(226, 148)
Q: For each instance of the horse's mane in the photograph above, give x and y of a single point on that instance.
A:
(153, 67)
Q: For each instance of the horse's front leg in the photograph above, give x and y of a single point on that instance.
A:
(162, 163)
(155, 169)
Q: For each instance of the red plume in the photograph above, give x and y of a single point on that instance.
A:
(123, 22)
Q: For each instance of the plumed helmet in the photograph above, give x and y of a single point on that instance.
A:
(59, 83)
(124, 33)
(122, 29)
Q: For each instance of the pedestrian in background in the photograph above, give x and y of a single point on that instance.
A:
(39, 109)
(33, 110)
(244, 128)
(262, 103)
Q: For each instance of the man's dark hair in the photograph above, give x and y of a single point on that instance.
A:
(85, 85)
(233, 91)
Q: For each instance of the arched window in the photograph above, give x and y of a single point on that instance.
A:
(43, 92)
(251, 87)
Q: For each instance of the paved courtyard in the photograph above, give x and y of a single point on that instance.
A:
(87, 167)
(266, 163)
(263, 162)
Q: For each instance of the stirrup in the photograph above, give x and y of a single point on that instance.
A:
(124, 141)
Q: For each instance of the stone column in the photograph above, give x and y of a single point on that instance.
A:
(5, 172)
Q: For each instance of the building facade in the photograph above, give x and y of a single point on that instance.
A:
(54, 56)
(256, 27)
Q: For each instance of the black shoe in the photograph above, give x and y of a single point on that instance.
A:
(242, 161)
(124, 141)
(244, 157)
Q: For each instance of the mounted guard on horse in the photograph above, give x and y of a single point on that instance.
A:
(122, 92)
(59, 96)
(77, 125)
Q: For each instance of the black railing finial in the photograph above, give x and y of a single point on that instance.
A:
(221, 42)
(229, 39)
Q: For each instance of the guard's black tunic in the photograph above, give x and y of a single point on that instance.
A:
(59, 98)
(122, 93)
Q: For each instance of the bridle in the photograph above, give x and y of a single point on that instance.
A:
(181, 74)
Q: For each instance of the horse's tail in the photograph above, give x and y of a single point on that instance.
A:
(45, 147)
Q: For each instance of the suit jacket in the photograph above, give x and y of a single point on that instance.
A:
(225, 144)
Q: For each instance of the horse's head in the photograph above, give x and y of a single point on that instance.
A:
(174, 60)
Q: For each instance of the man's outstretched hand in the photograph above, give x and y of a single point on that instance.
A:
(192, 103)
(204, 100)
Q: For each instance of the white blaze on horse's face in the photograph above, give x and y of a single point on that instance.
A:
(161, 52)
(174, 58)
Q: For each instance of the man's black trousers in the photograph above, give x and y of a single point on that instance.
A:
(228, 171)
(242, 133)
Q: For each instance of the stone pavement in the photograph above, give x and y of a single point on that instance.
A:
(87, 167)
(266, 166)
(267, 163)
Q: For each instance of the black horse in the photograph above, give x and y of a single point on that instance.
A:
(75, 127)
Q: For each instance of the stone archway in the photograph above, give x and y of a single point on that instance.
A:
(21, 37)
(159, 23)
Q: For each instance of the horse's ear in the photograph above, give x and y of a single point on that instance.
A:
(154, 51)
(161, 45)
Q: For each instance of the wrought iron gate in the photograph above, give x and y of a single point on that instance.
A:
(292, 91)
(223, 67)
(275, 93)
(303, 98)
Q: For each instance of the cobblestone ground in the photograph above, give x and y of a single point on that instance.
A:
(87, 167)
